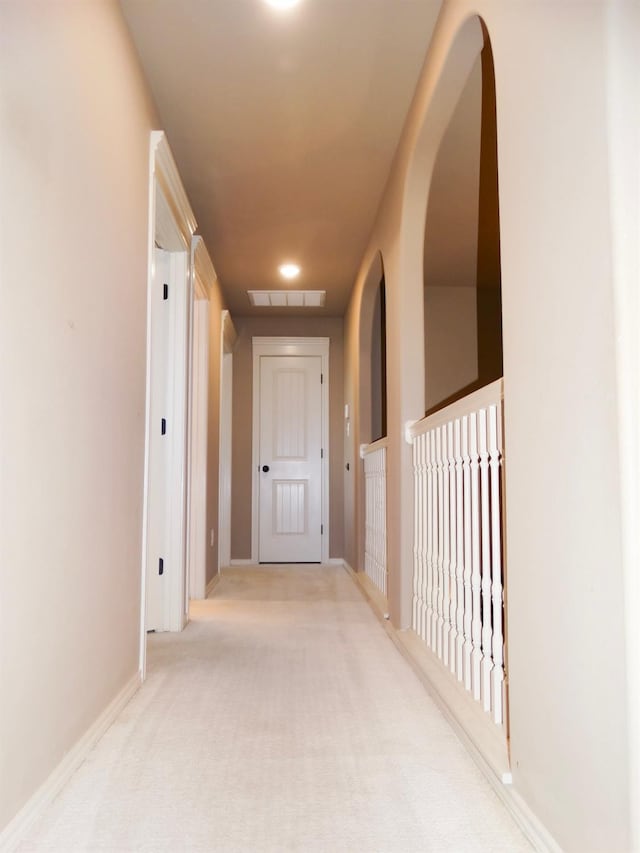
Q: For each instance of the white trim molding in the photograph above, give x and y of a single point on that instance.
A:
(166, 173)
(213, 583)
(229, 335)
(172, 220)
(263, 346)
(13, 833)
(204, 274)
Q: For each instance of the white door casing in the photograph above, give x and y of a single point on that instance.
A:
(227, 342)
(171, 227)
(203, 276)
(290, 420)
(198, 450)
(167, 445)
(158, 445)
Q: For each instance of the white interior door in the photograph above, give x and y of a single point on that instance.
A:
(290, 459)
(159, 448)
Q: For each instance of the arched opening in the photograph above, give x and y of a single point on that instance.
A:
(373, 355)
(458, 477)
(371, 479)
(462, 279)
(379, 364)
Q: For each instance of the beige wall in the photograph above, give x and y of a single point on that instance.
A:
(451, 231)
(247, 328)
(450, 341)
(74, 137)
(566, 650)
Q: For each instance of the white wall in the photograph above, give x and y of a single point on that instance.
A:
(569, 726)
(74, 137)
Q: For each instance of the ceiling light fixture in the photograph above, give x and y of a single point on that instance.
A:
(289, 271)
(282, 4)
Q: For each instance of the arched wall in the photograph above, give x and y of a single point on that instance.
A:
(359, 322)
(367, 312)
(566, 654)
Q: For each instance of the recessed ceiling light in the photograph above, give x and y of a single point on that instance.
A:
(289, 271)
(282, 4)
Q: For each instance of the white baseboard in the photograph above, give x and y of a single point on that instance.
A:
(242, 563)
(335, 561)
(12, 834)
(531, 826)
(213, 583)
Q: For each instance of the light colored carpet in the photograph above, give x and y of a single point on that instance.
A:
(282, 719)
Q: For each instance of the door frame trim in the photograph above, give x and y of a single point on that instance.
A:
(203, 276)
(170, 215)
(289, 346)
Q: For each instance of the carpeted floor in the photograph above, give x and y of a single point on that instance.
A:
(282, 719)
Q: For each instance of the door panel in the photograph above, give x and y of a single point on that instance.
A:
(290, 448)
(290, 500)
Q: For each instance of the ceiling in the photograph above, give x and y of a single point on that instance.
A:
(283, 125)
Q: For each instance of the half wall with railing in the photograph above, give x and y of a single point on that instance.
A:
(375, 537)
(458, 589)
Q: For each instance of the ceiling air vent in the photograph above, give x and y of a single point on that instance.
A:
(287, 298)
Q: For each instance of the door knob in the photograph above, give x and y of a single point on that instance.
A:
(265, 468)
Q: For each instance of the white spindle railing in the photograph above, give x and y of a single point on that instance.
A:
(375, 537)
(458, 571)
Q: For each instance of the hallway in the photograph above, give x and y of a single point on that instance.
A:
(282, 718)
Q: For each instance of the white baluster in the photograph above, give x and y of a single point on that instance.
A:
(378, 483)
(417, 529)
(383, 519)
(434, 541)
(422, 457)
(453, 526)
(446, 549)
(440, 541)
(379, 525)
(459, 551)
(495, 455)
(423, 548)
(367, 513)
(485, 538)
(468, 596)
(431, 526)
(476, 578)
(370, 514)
(375, 550)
